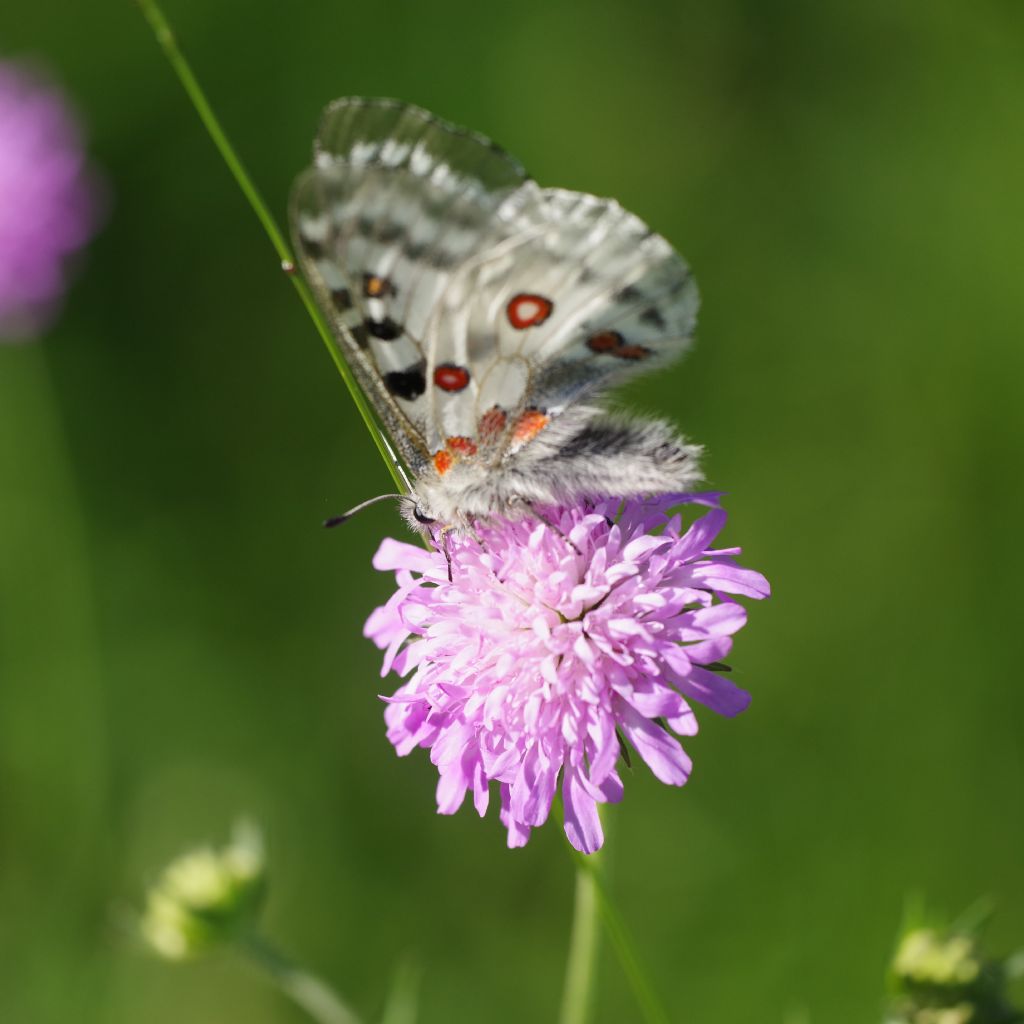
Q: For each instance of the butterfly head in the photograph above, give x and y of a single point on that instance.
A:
(419, 517)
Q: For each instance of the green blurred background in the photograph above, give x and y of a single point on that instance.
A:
(182, 642)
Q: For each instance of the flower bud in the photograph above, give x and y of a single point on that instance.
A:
(206, 897)
(925, 957)
(942, 976)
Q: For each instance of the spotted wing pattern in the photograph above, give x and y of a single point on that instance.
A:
(474, 306)
(394, 202)
(580, 295)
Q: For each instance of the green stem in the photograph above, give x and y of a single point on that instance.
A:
(304, 989)
(580, 971)
(622, 943)
(165, 37)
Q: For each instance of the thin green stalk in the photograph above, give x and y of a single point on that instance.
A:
(306, 990)
(622, 943)
(580, 970)
(165, 37)
(402, 1004)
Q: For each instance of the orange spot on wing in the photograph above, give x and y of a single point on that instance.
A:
(461, 445)
(443, 461)
(492, 423)
(529, 425)
(375, 287)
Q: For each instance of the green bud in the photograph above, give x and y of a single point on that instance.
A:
(206, 897)
(926, 958)
(942, 976)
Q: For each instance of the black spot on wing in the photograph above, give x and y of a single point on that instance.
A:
(419, 252)
(653, 316)
(414, 251)
(312, 248)
(408, 384)
(342, 299)
(390, 232)
(386, 329)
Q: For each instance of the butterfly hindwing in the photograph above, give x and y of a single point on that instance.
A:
(577, 297)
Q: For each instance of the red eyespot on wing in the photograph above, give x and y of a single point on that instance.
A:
(450, 377)
(443, 461)
(461, 445)
(525, 310)
(612, 343)
(529, 425)
(631, 352)
(604, 341)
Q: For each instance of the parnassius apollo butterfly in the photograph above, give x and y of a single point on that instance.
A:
(484, 317)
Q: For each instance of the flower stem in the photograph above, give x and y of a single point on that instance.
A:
(166, 39)
(304, 989)
(580, 971)
(622, 943)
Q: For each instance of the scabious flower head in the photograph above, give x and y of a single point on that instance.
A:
(48, 199)
(206, 897)
(556, 641)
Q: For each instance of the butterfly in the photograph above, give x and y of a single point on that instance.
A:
(486, 317)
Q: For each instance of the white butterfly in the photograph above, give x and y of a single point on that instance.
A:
(484, 315)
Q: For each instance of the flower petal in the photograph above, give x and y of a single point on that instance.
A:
(714, 691)
(396, 554)
(582, 823)
(662, 753)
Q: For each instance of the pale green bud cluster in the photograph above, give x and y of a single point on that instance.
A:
(925, 957)
(944, 978)
(206, 897)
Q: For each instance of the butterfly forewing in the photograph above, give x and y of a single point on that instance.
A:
(395, 201)
(472, 305)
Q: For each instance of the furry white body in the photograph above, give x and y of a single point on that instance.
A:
(586, 453)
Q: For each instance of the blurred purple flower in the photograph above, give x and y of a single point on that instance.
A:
(554, 639)
(48, 199)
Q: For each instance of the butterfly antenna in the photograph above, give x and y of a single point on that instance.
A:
(346, 516)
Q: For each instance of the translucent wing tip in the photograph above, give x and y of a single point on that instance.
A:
(363, 131)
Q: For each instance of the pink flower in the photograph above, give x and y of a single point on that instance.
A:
(48, 200)
(555, 643)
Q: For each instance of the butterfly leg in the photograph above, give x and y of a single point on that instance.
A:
(446, 549)
(554, 526)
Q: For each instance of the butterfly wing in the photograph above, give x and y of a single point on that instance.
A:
(395, 202)
(473, 306)
(579, 295)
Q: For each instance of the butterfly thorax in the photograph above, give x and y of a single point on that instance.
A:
(587, 454)
(470, 492)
